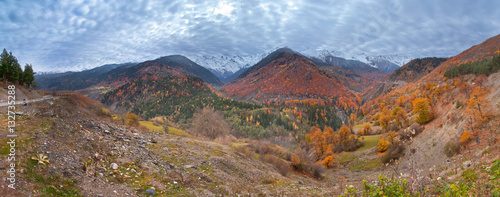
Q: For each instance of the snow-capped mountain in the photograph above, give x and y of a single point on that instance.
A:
(225, 66)
(386, 63)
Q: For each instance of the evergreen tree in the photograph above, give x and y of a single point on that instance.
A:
(17, 71)
(28, 75)
(4, 68)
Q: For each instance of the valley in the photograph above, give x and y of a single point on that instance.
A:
(287, 126)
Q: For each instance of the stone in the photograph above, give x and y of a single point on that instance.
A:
(151, 191)
(467, 164)
(100, 195)
(165, 148)
(188, 166)
(114, 166)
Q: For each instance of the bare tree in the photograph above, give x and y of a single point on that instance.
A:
(209, 123)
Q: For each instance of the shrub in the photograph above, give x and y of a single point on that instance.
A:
(318, 170)
(104, 112)
(209, 123)
(300, 161)
(328, 161)
(458, 104)
(394, 152)
(282, 166)
(131, 119)
(382, 145)
(451, 148)
(465, 137)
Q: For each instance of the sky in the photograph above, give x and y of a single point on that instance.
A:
(82, 34)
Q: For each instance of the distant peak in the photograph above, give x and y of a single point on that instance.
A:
(286, 50)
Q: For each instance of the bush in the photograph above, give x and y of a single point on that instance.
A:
(131, 119)
(318, 170)
(300, 161)
(382, 145)
(282, 166)
(394, 152)
(451, 148)
(104, 112)
(328, 161)
(209, 123)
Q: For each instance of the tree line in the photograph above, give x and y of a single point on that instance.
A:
(11, 70)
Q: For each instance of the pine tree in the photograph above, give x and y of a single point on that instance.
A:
(28, 75)
(4, 68)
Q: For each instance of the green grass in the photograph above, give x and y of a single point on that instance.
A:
(178, 132)
(346, 157)
(238, 144)
(171, 130)
(369, 141)
(50, 185)
(362, 125)
(359, 165)
(150, 126)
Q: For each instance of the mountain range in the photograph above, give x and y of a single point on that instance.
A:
(225, 67)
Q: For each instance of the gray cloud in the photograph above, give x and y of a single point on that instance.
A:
(76, 35)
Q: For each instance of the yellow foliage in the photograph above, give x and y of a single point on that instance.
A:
(421, 109)
(328, 161)
(383, 144)
(465, 137)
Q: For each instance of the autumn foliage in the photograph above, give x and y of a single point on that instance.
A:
(131, 119)
(382, 145)
(367, 129)
(328, 161)
(422, 110)
(290, 76)
(327, 142)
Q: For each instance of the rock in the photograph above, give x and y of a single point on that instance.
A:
(151, 191)
(165, 148)
(189, 166)
(467, 164)
(114, 166)
(106, 131)
(100, 195)
(99, 156)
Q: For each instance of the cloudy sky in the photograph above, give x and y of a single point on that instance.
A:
(80, 34)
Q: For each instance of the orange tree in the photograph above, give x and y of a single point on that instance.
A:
(421, 109)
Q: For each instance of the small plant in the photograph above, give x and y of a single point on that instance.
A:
(318, 170)
(451, 148)
(42, 159)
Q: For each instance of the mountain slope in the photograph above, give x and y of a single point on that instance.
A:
(485, 50)
(355, 66)
(144, 96)
(385, 63)
(285, 75)
(78, 80)
(410, 72)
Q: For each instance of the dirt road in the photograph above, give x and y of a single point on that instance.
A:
(29, 100)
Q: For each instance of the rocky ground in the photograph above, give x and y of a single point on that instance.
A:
(91, 155)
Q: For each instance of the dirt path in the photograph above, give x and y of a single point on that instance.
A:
(29, 100)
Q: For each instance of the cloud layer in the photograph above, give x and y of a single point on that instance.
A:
(76, 35)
